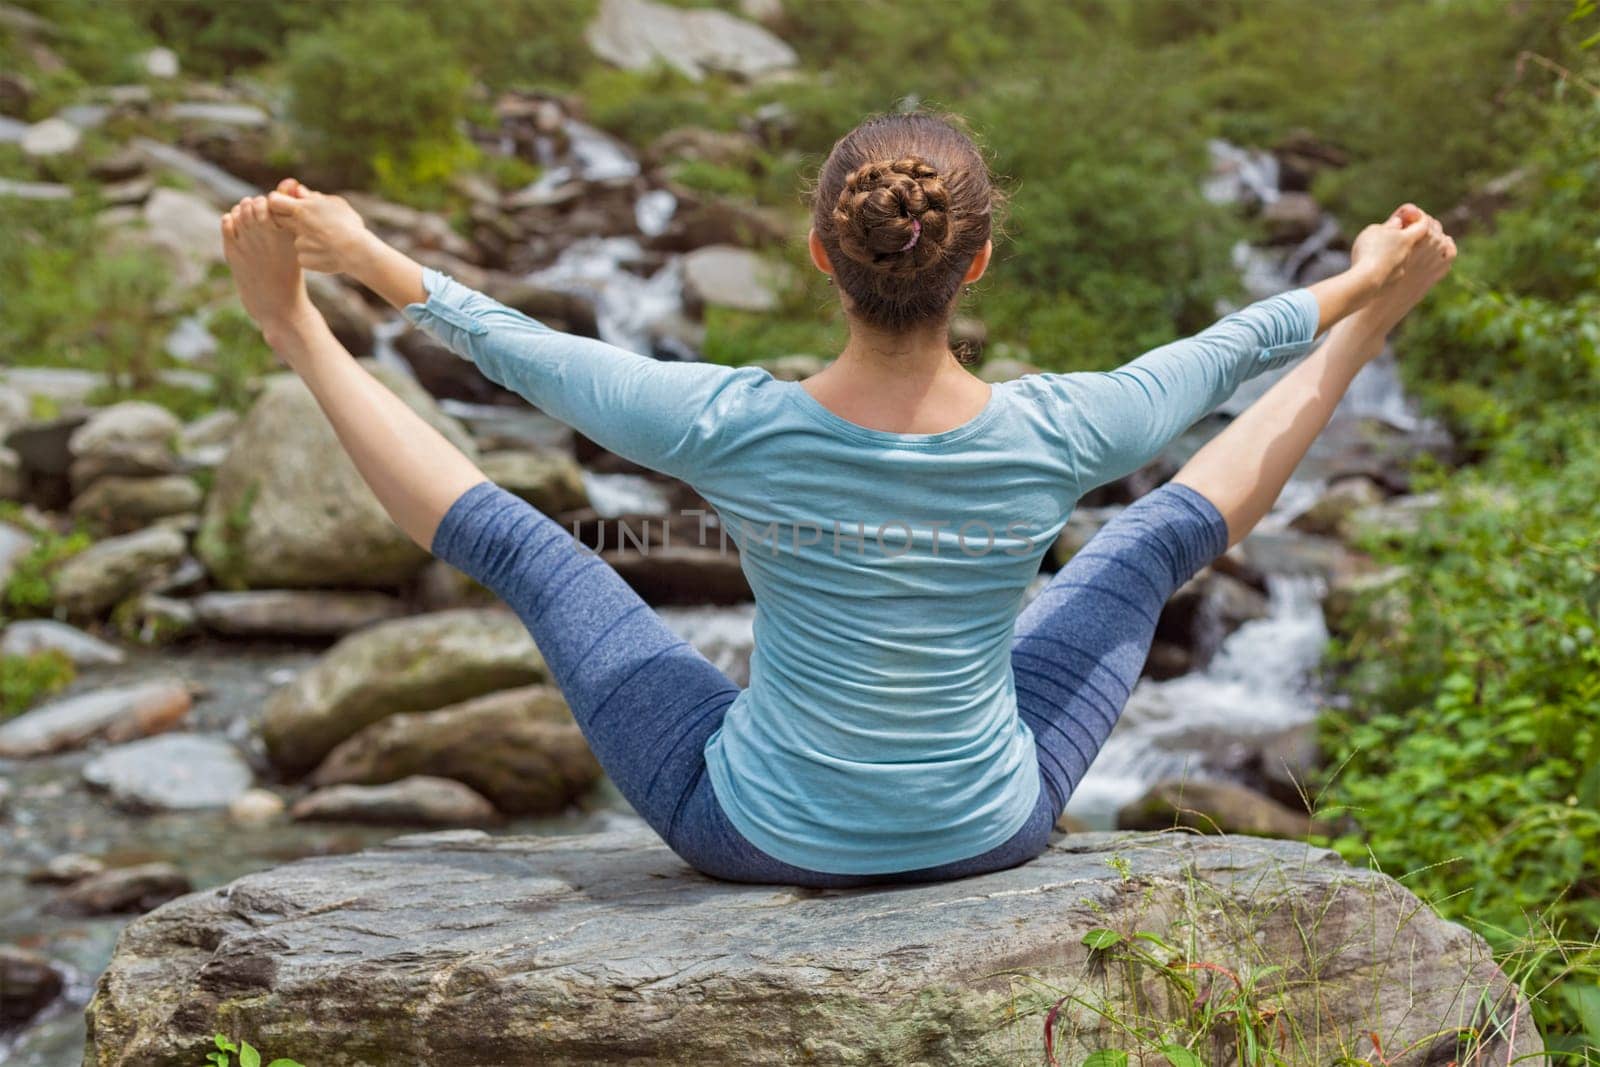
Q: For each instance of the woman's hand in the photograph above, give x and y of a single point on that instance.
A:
(1408, 239)
(330, 237)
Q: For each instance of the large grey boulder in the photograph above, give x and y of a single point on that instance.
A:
(465, 950)
(112, 570)
(118, 714)
(174, 772)
(519, 747)
(636, 34)
(413, 664)
(288, 507)
(293, 612)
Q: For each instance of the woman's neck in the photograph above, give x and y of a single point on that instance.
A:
(903, 383)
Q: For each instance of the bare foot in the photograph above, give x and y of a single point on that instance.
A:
(265, 269)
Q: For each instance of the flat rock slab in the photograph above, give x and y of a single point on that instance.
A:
(174, 772)
(118, 714)
(466, 950)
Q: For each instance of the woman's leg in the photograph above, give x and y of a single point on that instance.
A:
(644, 698)
(1080, 645)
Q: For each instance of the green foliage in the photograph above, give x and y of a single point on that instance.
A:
(28, 592)
(247, 1053)
(26, 680)
(73, 302)
(377, 95)
(1473, 757)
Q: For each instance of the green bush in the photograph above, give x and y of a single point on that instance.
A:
(1471, 756)
(377, 96)
(26, 680)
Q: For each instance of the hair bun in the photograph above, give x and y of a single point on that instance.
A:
(885, 206)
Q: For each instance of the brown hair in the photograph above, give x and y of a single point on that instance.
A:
(888, 171)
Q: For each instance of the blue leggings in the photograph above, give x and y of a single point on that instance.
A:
(647, 701)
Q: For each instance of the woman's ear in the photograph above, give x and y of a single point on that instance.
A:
(980, 263)
(819, 255)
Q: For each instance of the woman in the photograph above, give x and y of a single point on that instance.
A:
(902, 722)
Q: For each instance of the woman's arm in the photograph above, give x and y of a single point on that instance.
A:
(1113, 422)
(1116, 421)
(662, 415)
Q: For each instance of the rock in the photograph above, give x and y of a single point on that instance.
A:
(293, 612)
(12, 482)
(461, 949)
(190, 342)
(724, 148)
(1005, 370)
(205, 112)
(15, 542)
(52, 137)
(289, 509)
(718, 222)
(1396, 516)
(122, 891)
(119, 503)
(1286, 761)
(796, 367)
(1290, 552)
(131, 193)
(121, 713)
(187, 228)
(734, 277)
(12, 189)
(28, 983)
(175, 772)
(29, 637)
(1082, 524)
(106, 572)
(65, 869)
(1214, 807)
(1168, 660)
(223, 188)
(682, 574)
(415, 801)
(5, 796)
(445, 375)
(130, 438)
(413, 664)
(635, 34)
(519, 747)
(152, 619)
(217, 428)
(1361, 598)
(551, 481)
(1291, 218)
(256, 807)
(1206, 609)
(160, 63)
(344, 310)
(1330, 515)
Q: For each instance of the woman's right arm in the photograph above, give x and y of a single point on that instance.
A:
(660, 414)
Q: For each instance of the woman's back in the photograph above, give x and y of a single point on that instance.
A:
(880, 722)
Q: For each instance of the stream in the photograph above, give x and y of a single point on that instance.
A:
(1259, 684)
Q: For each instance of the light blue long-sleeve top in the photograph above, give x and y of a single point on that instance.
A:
(879, 731)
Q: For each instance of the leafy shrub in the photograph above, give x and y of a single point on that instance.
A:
(377, 94)
(1472, 756)
(26, 680)
(72, 302)
(28, 592)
